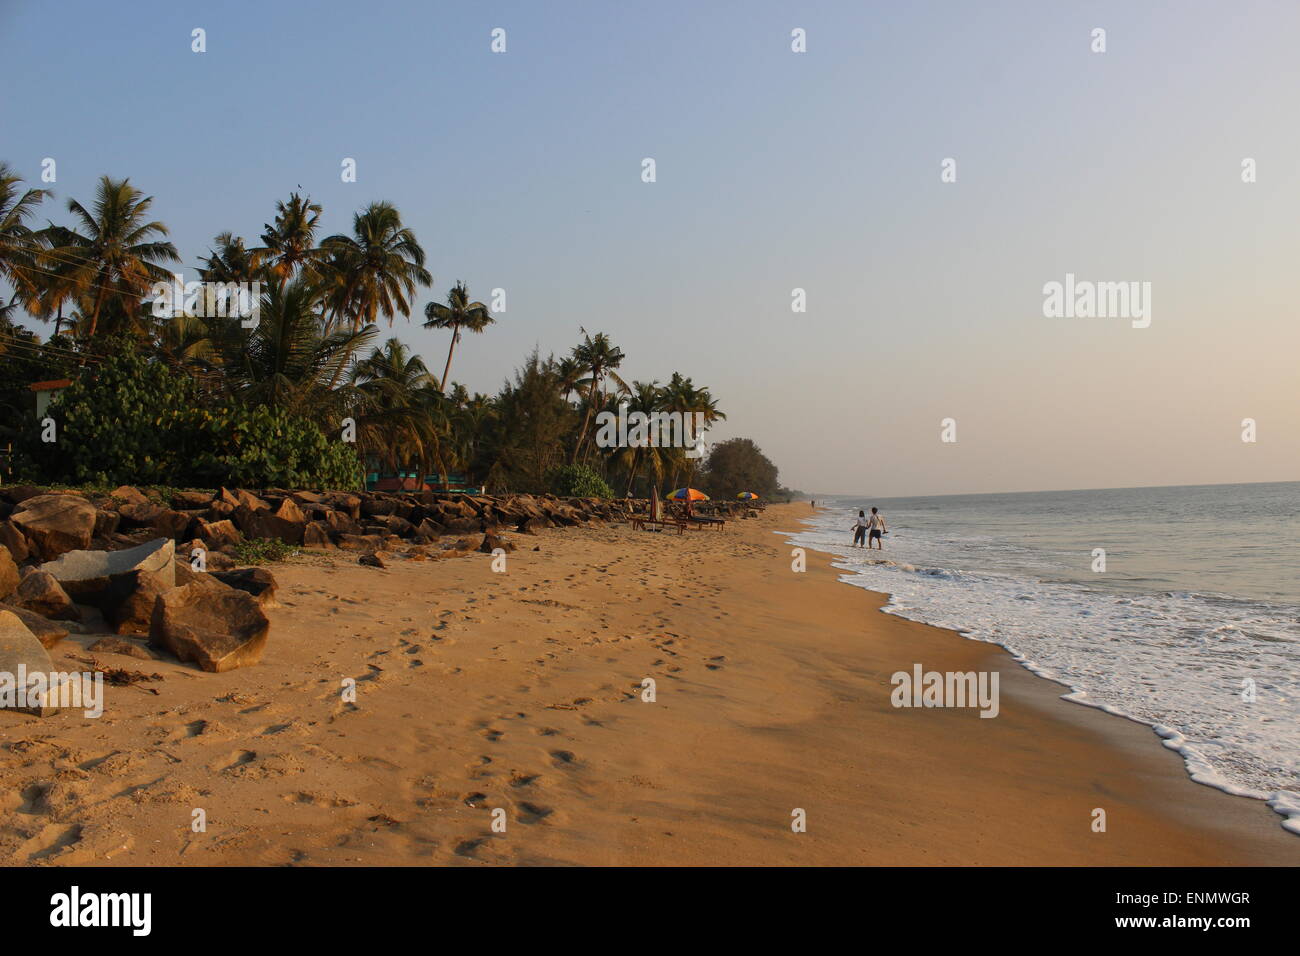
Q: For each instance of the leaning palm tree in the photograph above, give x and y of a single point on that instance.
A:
(459, 313)
(18, 243)
(375, 270)
(116, 256)
(599, 357)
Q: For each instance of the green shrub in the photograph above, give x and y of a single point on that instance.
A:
(262, 550)
(131, 421)
(260, 447)
(577, 481)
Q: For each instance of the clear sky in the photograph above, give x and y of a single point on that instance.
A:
(775, 170)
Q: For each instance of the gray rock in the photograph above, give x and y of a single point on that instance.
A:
(86, 575)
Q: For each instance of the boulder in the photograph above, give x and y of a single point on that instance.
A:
(532, 525)
(129, 602)
(217, 534)
(106, 522)
(55, 524)
(373, 559)
(16, 494)
(217, 628)
(41, 593)
(44, 630)
(191, 500)
(317, 535)
(21, 652)
(14, 540)
(128, 495)
(285, 523)
(258, 582)
(239, 497)
(491, 542)
(85, 575)
(360, 542)
(8, 573)
(162, 521)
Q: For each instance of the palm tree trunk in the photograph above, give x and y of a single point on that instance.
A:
(447, 369)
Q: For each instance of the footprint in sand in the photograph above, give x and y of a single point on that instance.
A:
(563, 758)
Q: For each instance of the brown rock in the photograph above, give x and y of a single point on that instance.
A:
(217, 629)
(258, 582)
(41, 593)
(163, 521)
(360, 542)
(20, 649)
(285, 523)
(373, 559)
(45, 630)
(14, 540)
(129, 495)
(8, 573)
(191, 500)
(217, 534)
(316, 535)
(128, 608)
(55, 524)
(492, 542)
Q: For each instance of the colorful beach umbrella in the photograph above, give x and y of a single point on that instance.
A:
(687, 494)
(746, 496)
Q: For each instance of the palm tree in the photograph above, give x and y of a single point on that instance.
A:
(18, 242)
(287, 360)
(375, 270)
(290, 242)
(599, 358)
(459, 313)
(680, 395)
(116, 257)
(230, 261)
(399, 421)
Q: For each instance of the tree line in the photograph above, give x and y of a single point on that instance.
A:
(193, 397)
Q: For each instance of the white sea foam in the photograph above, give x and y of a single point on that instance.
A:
(1176, 660)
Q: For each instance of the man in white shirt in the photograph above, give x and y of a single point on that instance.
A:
(876, 529)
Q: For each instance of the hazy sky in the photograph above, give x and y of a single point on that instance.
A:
(775, 170)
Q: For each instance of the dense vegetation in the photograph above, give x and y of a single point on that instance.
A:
(307, 394)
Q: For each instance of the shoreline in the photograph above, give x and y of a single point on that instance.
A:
(1285, 804)
(521, 693)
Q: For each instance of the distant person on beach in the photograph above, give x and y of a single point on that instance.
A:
(875, 529)
(860, 529)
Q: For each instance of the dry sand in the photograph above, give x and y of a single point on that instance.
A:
(522, 691)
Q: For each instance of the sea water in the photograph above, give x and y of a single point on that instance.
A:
(1193, 626)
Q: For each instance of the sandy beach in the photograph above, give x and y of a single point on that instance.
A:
(522, 692)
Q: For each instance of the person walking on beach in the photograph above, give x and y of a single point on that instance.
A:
(860, 530)
(875, 529)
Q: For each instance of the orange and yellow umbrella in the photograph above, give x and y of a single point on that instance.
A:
(687, 494)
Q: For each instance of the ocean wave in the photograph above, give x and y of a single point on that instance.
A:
(1212, 674)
